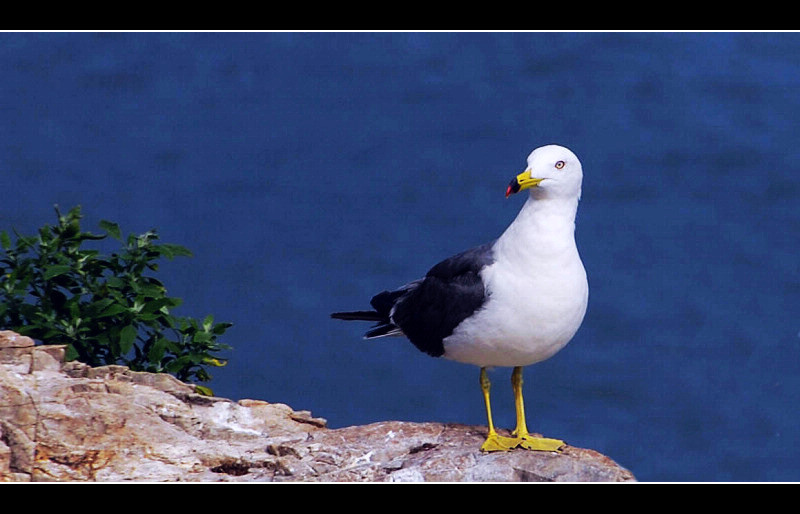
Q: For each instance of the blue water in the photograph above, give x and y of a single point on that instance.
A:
(309, 171)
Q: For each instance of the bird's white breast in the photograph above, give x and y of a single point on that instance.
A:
(537, 297)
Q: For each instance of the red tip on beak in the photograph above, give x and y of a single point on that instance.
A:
(513, 187)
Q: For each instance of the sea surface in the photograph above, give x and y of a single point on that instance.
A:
(309, 171)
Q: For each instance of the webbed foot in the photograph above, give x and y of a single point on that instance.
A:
(542, 444)
(498, 443)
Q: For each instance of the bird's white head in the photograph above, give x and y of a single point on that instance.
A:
(552, 171)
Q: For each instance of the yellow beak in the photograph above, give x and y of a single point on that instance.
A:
(521, 182)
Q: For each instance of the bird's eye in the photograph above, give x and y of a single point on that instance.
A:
(560, 164)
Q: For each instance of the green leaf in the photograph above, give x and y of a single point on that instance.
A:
(155, 304)
(126, 338)
(220, 328)
(5, 241)
(24, 242)
(89, 236)
(112, 310)
(70, 354)
(215, 362)
(156, 352)
(173, 250)
(115, 282)
(95, 308)
(178, 364)
(112, 229)
(152, 291)
(56, 270)
(74, 213)
(205, 391)
(202, 337)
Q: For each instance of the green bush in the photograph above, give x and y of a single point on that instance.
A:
(106, 309)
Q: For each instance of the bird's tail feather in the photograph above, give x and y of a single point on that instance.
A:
(358, 316)
(383, 304)
(382, 328)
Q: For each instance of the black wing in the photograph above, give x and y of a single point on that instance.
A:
(433, 307)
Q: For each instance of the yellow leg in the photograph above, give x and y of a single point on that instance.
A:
(524, 439)
(494, 442)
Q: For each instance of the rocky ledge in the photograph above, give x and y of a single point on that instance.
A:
(70, 422)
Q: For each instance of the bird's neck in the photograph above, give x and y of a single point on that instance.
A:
(544, 224)
(549, 214)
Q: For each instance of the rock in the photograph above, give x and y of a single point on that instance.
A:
(69, 422)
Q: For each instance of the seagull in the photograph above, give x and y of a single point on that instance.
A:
(512, 302)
